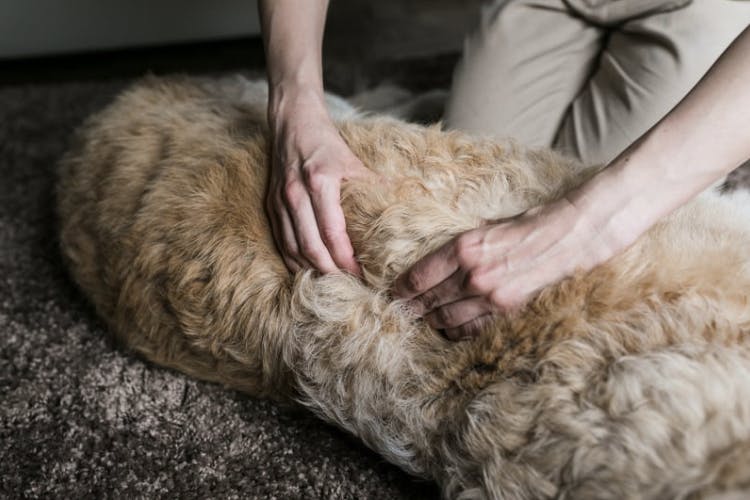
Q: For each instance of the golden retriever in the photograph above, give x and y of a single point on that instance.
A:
(628, 381)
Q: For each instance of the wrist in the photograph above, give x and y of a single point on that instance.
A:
(637, 189)
(609, 213)
(292, 103)
(304, 73)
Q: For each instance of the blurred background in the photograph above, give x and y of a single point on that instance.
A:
(413, 41)
(50, 27)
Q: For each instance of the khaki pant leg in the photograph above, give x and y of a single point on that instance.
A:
(521, 69)
(647, 66)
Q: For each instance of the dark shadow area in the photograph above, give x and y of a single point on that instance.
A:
(204, 57)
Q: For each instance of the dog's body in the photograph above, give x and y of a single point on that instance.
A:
(630, 381)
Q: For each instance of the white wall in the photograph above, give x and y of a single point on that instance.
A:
(46, 27)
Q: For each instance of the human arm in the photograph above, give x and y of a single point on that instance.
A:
(497, 267)
(309, 157)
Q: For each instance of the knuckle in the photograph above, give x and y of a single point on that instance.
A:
(475, 281)
(293, 193)
(500, 302)
(445, 316)
(429, 301)
(314, 177)
(465, 250)
(413, 282)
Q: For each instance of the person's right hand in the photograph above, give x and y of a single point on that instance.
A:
(309, 162)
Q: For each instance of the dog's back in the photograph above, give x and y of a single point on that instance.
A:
(630, 380)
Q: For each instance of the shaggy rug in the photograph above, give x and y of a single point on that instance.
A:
(82, 418)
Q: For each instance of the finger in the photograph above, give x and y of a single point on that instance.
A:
(449, 290)
(307, 237)
(428, 272)
(326, 203)
(291, 247)
(283, 235)
(458, 313)
(468, 330)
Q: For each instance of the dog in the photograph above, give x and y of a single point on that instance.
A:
(631, 380)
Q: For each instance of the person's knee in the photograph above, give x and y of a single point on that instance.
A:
(691, 38)
(649, 64)
(703, 27)
(611, 13)
(523, 61)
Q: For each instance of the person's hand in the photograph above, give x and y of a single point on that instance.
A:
(498, 267)
(309, 162)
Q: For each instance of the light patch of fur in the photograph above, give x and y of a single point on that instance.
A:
(629, 381)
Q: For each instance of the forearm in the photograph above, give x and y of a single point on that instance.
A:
(293, 38)
(309, 158)
(703, 138)
(497, 267)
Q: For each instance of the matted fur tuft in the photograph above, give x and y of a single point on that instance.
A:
(629, 381)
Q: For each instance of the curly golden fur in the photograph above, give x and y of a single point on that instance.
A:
(629, 381)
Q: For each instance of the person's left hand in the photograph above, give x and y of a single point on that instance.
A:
(496, 268)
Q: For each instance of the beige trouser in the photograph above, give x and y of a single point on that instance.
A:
(586, 77)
